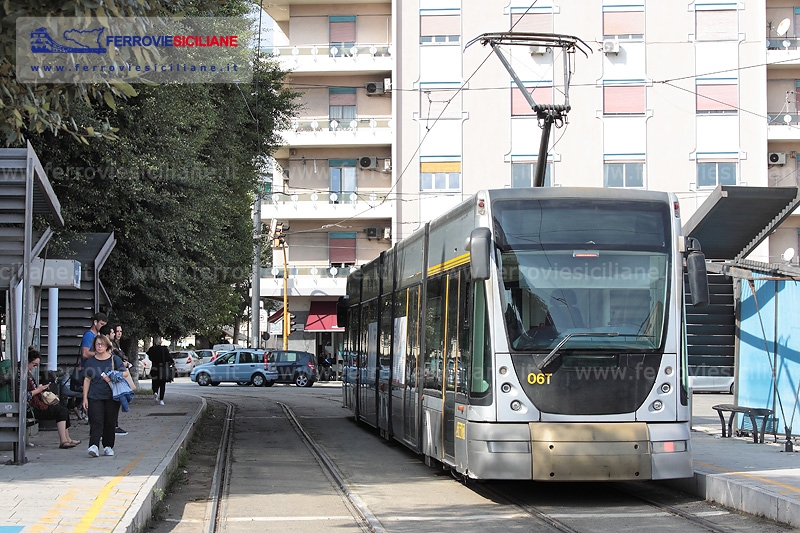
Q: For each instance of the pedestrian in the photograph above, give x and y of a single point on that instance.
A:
(98, 399)
(98, 321)
(115, 335)
(162, 371)
(43, 411)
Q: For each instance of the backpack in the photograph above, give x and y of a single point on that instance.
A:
(76, 376)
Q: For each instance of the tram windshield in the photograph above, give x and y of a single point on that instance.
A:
(583, 266)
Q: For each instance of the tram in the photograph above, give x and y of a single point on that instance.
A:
(531, 334)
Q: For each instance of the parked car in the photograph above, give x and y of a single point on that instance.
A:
(145, 365)
(711, 384)
(185, 361)
(219, 349)
(240, 366)
(206, 356)
(291, 366)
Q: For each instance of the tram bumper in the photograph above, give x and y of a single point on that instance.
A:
(590, 451)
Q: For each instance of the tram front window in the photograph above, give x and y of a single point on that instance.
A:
(582, 267)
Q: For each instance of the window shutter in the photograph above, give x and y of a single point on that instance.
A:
(440, 166)
(342, 247)
(342, 31)
(716, 25)
(623, 23)
(533, 23)
(342, 97)
(717, 97)
(440, 25)
(520, 106)
(623, 100)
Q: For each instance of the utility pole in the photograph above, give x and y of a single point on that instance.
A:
(255, 300)
(279, 241)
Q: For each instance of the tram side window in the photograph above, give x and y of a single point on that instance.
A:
(464, 330)
(434, 336)
(412, 348)
(480, 390)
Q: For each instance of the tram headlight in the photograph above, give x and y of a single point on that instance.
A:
(668, 371)
(666, 387)
(658, 405)
(505, 387)
(516, 405)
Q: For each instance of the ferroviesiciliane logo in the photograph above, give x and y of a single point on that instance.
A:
(81, 42)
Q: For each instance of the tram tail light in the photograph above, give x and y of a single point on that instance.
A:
(669, 446)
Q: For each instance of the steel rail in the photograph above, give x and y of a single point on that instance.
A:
(222, 469)
(361, 512)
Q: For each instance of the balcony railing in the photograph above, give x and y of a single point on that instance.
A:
(320, 271)
(778, 119)
(315, 124)
(331, 197)
(350, 50)
(782, 43)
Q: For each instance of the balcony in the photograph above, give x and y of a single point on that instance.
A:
(783, 53)
(358, 58)
(315, 132)
(324, 205)
(783, 127)
(307, 280)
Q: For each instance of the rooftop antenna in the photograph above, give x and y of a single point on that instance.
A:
(547, 114)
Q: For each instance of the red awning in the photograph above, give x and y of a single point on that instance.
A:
(277, 315)
(322, 317)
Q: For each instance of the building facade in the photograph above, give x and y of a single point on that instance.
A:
(402, 120)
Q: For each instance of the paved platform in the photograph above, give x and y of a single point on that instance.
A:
(68, 491)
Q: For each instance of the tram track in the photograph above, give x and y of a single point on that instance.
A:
(221, 477)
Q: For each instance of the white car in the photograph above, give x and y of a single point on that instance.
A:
(144, 365)
(185, 361)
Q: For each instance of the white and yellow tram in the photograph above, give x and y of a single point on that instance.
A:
(531, 334)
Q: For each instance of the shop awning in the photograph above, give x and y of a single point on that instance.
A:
(322, 317)
(276, 316)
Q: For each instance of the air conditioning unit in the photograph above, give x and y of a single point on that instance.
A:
(372, 233)
(537, 50)
(387, 84)
(387, 234)
(387, 164)
(611, 47)
(777, 158)
(374, 87)
(367, 162)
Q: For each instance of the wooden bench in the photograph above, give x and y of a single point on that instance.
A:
(752, 412)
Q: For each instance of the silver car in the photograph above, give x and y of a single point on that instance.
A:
(185, 361)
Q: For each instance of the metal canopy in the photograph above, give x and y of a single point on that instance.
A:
(733, 220)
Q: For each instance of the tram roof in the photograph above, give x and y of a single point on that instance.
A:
(733, 220)
(578, 192)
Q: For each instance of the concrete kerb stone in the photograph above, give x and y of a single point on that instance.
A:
(141, 510)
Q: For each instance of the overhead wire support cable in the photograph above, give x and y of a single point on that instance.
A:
(547, 114)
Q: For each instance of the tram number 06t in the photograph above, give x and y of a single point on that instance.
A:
(539, 379)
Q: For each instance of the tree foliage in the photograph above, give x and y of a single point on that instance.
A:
(176, 184)
(27, 108)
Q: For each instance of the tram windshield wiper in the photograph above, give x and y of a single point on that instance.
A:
(554, 352)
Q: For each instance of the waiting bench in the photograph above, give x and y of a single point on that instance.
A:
(752, 412)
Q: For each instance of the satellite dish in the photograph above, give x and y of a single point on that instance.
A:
(783, 27)
(788, 255)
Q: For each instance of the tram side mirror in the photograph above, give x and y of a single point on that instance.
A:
(696, 269)
(479, 246)
(341, 311)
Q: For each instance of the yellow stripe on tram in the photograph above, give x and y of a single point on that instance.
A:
(450, 264)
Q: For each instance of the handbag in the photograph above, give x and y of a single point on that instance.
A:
(50, 398)
(76, 377)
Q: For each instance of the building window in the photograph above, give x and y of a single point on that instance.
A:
(343, 180)
(522, 174)
(342, 248)
(623, 24)
(341, 34)
(623, 100)
(713, 173)
(623, 175)
(717, 98)
(532, 22)
(439, 29)
(520, 107)
(440, 176)
(341, 106)
(716, 24)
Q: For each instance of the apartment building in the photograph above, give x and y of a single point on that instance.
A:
(403, 120)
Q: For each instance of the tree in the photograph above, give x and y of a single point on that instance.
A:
(176, 186)
(27, 109)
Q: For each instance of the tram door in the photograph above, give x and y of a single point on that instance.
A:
(455, 312)
(411, 411)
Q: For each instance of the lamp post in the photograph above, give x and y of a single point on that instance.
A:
(285, 300)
